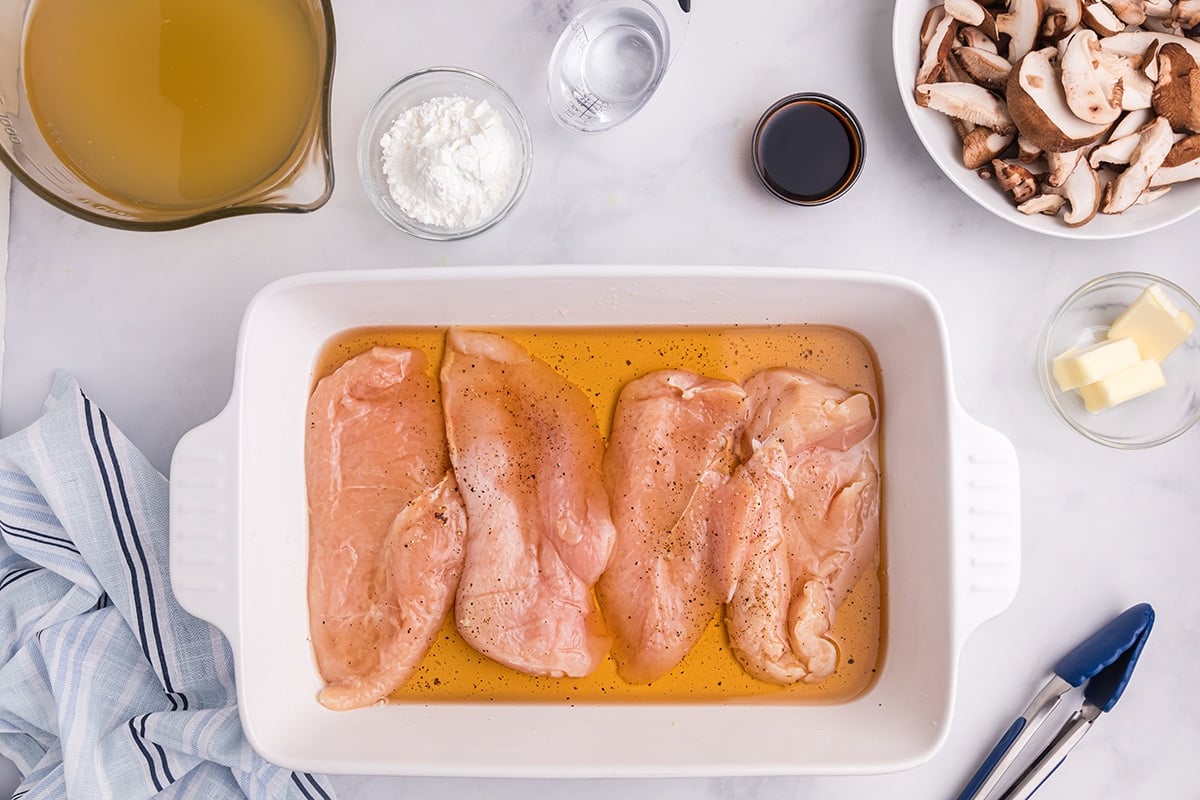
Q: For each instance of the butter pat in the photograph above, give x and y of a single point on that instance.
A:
(1076, 367)
(1119, 387)
(1155, 323)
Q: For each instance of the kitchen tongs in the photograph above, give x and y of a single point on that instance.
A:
(1105, 661)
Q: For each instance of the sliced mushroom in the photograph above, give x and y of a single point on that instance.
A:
(1177, 94)
(972, 36)
(966, 11)
(1016, 179)
(1082, 191)
(953, 72)
(1150, 62)
(1027, 151)
(1054, 28)
(1062, 165)
(1060, 18)
(1043, 204)
(1153, 146)
(933, 18)
(1186, 13)
(1158, 9)
(937, 50)
(1091, 93)
(968, 102)
(981, 145)
(1020, 24)
(1183, 150)
(985, 68)
(1169, 176)
(1038, 107)
(1102, 20)
(1131, 12)
(1135, 43)
(1117, 152)
(1162, 25)
(1071, 9)
(1136, 88)
(1181, 164)
(988, 26)
(1131, 123)
(1150, 195)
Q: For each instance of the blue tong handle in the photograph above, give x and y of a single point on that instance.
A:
(1105, 660)
(989, 765)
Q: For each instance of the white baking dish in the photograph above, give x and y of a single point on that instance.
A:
(239, 526)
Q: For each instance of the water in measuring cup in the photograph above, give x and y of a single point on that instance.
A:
(607, 64)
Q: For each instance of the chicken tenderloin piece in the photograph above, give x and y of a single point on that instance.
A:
(806, 503)
(386, 524)
(670, 450)
(527, 450)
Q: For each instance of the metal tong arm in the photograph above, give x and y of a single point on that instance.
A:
(1014, 740)
(1055, 753)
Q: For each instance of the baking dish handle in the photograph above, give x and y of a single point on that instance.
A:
(203, 520)
(987, 523)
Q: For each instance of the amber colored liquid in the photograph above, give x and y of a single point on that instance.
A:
(601, 362)
(173, 103)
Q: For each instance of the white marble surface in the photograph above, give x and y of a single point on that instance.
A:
(148, 322)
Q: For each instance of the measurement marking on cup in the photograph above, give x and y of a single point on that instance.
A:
(588, 104)
(579, 36)
(10, 129)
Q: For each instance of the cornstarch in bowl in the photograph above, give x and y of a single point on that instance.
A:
(444, 154)
(448, 161)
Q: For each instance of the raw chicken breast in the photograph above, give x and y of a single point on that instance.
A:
(526, 448)
(803, 522)
(671, 448)
(386, 524)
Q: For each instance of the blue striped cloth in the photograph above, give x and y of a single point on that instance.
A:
(108, 689)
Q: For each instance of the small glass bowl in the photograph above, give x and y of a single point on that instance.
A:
(412, 91)
(827, 163)
(1146, 421)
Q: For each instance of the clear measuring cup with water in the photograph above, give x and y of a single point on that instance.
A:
(610, 59)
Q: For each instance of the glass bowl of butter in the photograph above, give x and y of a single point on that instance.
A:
(1120, 360)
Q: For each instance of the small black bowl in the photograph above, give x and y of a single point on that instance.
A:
(808, 149)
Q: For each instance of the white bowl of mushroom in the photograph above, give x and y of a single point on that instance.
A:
(1078, 118)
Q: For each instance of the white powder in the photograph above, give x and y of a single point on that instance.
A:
(448, 161)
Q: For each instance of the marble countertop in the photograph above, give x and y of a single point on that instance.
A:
(148, 323)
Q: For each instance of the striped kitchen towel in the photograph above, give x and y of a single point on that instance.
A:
(108, 689)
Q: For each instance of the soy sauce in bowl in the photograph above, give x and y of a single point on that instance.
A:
(808, 149)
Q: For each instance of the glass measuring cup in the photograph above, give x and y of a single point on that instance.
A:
(610, 59)
(300, 180)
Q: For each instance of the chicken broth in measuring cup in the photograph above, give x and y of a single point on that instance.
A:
(601, 362)
(173, 103)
